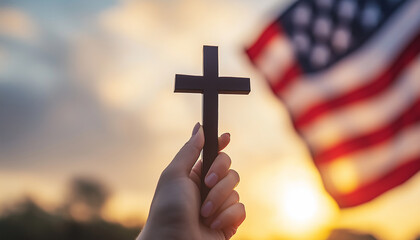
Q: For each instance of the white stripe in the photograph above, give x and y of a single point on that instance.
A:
(348, 173)
(365, 116)
(358, 68)
(276, 56)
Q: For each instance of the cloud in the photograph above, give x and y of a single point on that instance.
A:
(95, 90)
(51, 115)
(14, 23)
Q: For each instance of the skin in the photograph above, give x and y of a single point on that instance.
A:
(176, 211)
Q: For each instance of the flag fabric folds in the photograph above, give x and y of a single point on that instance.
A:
(349, 73)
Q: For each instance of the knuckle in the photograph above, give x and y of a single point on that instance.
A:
(242, 212)
(165, 176)
(235, 196)
(235, 175)
(241, 207)
(226, 161)
(165, 173)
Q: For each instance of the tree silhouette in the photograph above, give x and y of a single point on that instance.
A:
(86, 199)
(26, 220)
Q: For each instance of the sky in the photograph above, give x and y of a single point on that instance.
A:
(86, 89)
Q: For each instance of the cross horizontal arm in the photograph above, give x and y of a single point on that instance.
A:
(233, 85)
(187, 83)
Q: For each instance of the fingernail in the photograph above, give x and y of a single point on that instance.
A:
(195, 129)
(206, 209)
(216, 224)
(211, 180)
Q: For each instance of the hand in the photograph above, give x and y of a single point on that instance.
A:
(176, 211)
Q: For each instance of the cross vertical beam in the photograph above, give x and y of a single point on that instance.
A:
(210, 113)
(210, 85)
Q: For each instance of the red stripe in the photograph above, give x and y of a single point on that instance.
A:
(372, 190)
(271, 31)
(377, 85)
(407, 118)
(285, 79)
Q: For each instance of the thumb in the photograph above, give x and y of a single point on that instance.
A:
(189, 153)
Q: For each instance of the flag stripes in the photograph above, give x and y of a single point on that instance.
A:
(358, 110)
(357, 69)
(367, 165)
(409, 117)
(365, 193)
(375, 86)
(365, 116)
(255, 50)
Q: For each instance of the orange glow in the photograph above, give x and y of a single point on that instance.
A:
(343, 175)
(299, 203)
(287, 201)
(127, 208)
(106, 78)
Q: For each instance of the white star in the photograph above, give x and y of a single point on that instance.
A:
(341, 39)
(347, 9)
(301, 42)
(322, 27)
(320, 55)
(371, 15)
(302, 15)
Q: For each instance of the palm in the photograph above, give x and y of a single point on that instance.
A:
(188, 199)
(176, 211)
(205, 231)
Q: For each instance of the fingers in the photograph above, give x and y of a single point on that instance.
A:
(220, 165)
(189, 153)
(230, 215)
(232, 199)
(224, 140)
(218, 170)
(219, 193)
(230, 219)
(195, 174)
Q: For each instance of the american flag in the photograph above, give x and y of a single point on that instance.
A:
(349, 73)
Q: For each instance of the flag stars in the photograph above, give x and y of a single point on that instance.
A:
(320, 55)
(302, 15)
(324, 31)
(341, 39)
(347, 10)
(322, 27)
(301, 43)
(371, 15)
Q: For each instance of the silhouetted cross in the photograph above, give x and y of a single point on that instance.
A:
(210, 85)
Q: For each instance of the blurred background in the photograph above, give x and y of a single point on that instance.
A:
(88, 120)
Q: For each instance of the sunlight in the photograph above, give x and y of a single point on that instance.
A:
(290, 198)
(303, 208)
(299, 203)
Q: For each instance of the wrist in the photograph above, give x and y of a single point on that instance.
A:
(152, 231)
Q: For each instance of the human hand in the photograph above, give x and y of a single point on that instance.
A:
(176, 211)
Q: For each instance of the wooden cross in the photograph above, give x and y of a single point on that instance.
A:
(210, 85)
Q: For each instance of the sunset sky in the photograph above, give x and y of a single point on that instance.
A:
(86, 89)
